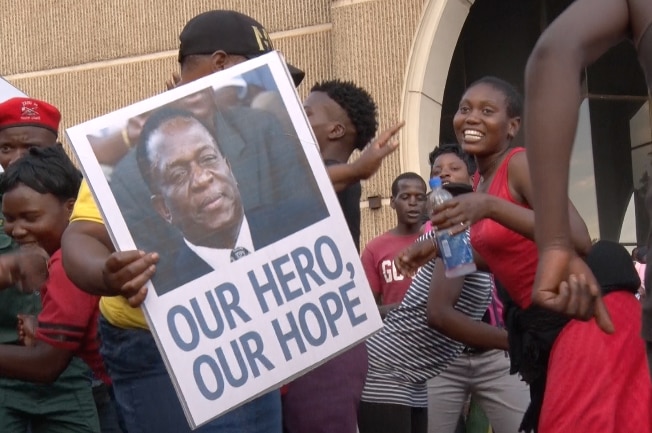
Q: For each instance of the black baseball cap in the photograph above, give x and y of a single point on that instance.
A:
(229, 31)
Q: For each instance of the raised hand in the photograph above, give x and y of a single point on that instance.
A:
(125, 273)
(565, 284)
(173, 81)
(27, 329)
(409, 260)
(373, 154)
(29, 268)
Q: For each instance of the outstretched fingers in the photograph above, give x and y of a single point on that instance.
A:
(384, 138)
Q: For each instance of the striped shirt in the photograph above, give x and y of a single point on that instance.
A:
(406, 352)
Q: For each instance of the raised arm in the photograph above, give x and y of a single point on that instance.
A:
(520, 181)
(580, 35)
(368, 163)
(26, 269)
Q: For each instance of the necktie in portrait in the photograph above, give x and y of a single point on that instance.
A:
(239, 252)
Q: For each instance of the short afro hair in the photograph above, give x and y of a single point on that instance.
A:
(406, 176)
(455, 149)
(513, 99)
(358, 104)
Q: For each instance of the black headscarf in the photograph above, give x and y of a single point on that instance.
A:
(613, 267)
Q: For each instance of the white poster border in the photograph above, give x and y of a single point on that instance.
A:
(329, 235)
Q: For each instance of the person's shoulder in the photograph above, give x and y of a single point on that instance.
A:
(381, 240)
(383, 245)
(518, 168)
(85, 207)
(517, 155)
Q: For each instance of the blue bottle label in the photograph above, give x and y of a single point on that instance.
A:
(455, 250)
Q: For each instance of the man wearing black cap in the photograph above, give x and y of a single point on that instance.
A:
(218, 39)
(215, 40)
(210, 42)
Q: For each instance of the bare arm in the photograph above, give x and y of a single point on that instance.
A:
(575, 39)
(92, 264)
(583, 32)
(442, 315)
(85, 247)
(26, 269)
(40, 363)
(409, 260)
(110, 148)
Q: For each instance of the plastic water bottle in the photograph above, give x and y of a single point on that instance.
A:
(455, 250)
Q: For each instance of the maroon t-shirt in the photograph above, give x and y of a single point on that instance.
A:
(378, 263)
(69, 318)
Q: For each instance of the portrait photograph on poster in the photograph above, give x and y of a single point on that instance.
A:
(258, 279)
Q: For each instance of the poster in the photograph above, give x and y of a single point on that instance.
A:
(259, 279)
(8, 91)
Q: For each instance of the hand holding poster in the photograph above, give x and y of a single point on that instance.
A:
(258, 279)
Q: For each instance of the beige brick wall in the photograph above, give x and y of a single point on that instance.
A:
(91, 57)
(43, 34)
(371, 45)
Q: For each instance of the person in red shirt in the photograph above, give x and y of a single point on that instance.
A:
(502, 229)
(39, 192)
(409, 202)
(612, 390)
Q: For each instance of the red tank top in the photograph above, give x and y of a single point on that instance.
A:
(511, 257)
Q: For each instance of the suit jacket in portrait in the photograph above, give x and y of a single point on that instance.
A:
(188, 265)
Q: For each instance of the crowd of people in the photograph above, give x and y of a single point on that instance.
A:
(542, 337)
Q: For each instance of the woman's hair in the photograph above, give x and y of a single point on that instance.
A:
(512, 97)
(455, 149)
(46, 170)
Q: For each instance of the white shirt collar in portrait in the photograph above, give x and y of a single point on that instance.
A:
(217, 257)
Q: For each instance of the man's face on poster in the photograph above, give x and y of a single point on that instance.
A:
(197, 191)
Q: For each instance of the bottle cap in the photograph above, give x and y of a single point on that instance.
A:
(435, 182)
